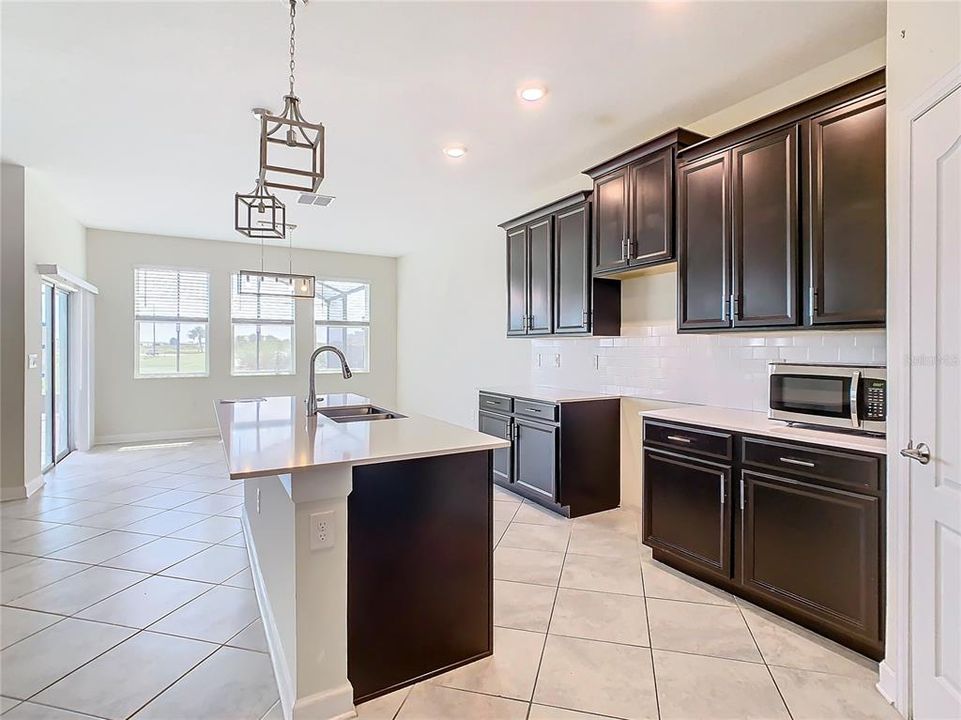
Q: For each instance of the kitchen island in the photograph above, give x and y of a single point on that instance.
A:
(369, 534)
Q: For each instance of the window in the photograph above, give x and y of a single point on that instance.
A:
(262, 329)
(342, 317)
(171, 310)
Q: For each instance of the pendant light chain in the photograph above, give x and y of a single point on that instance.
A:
(293, 42)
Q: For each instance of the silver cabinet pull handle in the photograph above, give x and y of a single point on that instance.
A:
(678, 438)
(742, 494)
(530, 409)
(793, 461)
(490, 402)
(721, 479)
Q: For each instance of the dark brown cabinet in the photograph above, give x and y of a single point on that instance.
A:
(550, 288)
(704, 243)
(502, 465)
(796, 528)
(634, 204)
(813, 548)
(686, 509)
(563, 456)
(845, 218)
(764, 230)
(535, 457)
(517, 281)
(781, 222)
(572, 284)
(540, 295)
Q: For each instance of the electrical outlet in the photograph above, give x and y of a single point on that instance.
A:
(322, 530)
(557, 359)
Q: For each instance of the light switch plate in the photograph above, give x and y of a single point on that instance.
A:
(557, 359)
(32, 360)
(322, 530)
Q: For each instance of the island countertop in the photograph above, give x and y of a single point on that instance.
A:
(273, 436)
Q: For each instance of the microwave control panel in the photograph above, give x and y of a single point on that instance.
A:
(875, 392)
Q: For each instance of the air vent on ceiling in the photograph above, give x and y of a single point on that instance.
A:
(315, 199)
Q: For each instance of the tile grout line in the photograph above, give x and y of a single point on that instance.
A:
(764, 659)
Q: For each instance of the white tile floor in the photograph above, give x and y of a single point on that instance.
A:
(125, 593)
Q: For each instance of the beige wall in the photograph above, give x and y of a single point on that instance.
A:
(452, 300)
(11, 333)
(52, 236)
(37, 228)
(143, 409)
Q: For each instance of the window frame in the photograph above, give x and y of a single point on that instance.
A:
(176, 320)
(345, 323)
(292, 323)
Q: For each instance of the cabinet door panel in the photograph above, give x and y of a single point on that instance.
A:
(846, 213)
(814, 548)
(652, 209)
(610, 221)
(765, 230)
(572, 254)
(535, 457)
(686, 509)
(498, 426)
(517, 281)
(704, 243)
(541, 298)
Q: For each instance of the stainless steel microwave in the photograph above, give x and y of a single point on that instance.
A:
(839, 396)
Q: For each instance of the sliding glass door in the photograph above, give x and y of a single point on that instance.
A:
(54, 375)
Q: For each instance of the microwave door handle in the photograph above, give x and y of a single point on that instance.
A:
(855, 384)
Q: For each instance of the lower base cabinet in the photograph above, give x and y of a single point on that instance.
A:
(795, 528)
(564, 456)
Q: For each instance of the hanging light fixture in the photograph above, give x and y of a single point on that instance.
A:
(291, 149)
(285, 284)
(259, 213)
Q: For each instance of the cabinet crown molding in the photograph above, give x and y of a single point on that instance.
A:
(852, 90)
(564, 202)
(680, 136)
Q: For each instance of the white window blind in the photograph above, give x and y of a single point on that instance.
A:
(171, 313)
(163, 294)
(342, 319)
(262, 330)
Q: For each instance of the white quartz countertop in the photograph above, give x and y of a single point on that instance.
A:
(273, 435)
(758, 423)
(547, 394)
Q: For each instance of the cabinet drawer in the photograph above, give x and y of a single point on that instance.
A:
(496, 403)
(696, 440)
(539, 410)
(858, 472)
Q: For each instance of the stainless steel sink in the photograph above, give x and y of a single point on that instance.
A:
(358, 413)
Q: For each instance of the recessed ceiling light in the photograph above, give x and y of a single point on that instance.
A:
(455, 151)
(532, 93)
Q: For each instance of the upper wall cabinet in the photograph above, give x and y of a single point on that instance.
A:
(550, 288)
(634, 205)
(781, 222)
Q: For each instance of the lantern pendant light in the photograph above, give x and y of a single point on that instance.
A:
(273, 284)
(291, 149)
(259, 213)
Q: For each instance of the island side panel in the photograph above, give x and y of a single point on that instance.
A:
(420, 570)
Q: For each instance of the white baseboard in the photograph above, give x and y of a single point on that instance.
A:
(35, 484)
(333, 704)
(155, 436)
(887, 682)
(285, 683)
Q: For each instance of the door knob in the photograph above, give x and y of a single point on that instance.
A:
(921, 453)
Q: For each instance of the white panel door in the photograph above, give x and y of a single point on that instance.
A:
(935, 410)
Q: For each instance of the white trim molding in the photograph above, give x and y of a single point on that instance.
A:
(156, 436)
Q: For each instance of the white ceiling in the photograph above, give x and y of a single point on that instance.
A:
(139, 113)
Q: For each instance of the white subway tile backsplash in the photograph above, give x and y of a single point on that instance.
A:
(728, 370)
